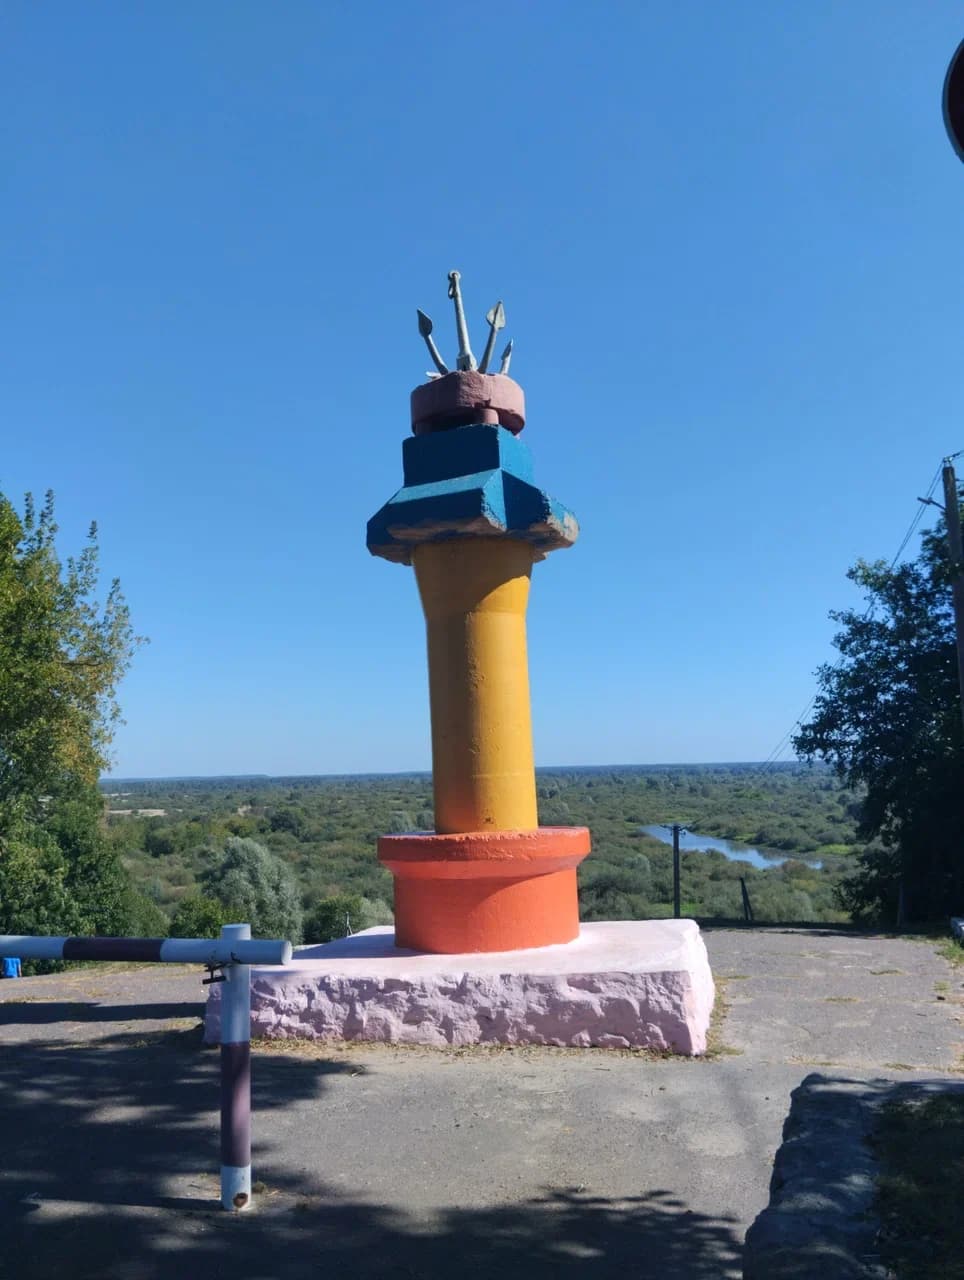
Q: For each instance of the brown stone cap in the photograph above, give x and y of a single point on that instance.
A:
(470, 855)
(462, 398)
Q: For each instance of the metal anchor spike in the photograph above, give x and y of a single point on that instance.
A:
(507, 356)
(496, 321)
(465, 359)
(425, 329)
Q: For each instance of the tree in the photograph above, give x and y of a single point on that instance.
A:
(63, 651)
(62, 655)
(887, 718)
(331, 918)
(257, 888)
(288, 819)
(198, 917)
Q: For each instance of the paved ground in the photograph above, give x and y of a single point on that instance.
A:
(417, 1163)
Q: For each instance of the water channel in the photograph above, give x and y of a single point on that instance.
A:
(690, 842)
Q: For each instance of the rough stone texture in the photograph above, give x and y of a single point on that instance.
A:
(820, 1219)
(618, 985)
(455, 400)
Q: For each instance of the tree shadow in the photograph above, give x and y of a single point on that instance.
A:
(45, 1012)
(110, 1170)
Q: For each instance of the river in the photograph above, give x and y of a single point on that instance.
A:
(690, 842)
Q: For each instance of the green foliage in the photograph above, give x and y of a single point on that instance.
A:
(33, 892)
(335, 917)
(920, 1145)
(142, 918)
(61, 657)
(952, 949)
(62, 653)
(888, 720)
(255, 887)
(198, 917)
(95, 878)
(330, 851)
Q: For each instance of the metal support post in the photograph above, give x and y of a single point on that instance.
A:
(234, 952)
(747, 908)
(955, 560)
(676, 828)
(236, 1078)
(676, 895)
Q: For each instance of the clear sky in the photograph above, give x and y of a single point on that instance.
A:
(729, 241)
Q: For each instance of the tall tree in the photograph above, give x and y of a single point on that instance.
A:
(63, 650)
(887, 718)
(254, 885)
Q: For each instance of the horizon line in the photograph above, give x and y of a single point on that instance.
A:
(427, 773)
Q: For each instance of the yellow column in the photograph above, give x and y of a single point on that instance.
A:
(474, 594)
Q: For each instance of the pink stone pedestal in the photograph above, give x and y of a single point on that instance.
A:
(620, 984)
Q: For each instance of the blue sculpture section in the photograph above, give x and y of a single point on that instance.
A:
(468, 482)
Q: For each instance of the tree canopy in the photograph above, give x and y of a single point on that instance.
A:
(888, 719)
(257, 887)
(63, 650)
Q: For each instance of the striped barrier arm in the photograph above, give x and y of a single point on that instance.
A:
(213, 952)
(234, 952)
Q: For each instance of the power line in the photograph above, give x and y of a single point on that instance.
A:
(773, 759)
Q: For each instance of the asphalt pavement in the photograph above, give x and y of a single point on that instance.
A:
(408, 1162)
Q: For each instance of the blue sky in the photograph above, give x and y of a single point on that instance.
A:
(729, 242)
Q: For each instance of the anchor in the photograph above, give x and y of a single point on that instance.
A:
(465, 361)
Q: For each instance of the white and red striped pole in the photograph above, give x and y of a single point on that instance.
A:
(234, 952)
(236, 1077)
(213, 952)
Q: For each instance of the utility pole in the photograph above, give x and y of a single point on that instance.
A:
(952, 518)
(955, 559)
(953, 104)
(676, 828)
(747, 907)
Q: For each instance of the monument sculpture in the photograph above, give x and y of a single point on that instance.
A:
(487, 945)
(472, 523)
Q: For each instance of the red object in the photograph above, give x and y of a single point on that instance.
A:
(463, 398)
(485, 890)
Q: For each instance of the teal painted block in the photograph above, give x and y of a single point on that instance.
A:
(464, 451)
(441, 500)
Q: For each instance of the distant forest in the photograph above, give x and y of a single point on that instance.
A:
(169, 832)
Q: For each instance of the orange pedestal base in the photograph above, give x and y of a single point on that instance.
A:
(485, 890)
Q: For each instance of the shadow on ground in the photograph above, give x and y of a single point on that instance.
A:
(47, 1012)
(818, 929)
(110, 1163)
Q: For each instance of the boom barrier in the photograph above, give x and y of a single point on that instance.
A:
(212, 952)
(228, 960)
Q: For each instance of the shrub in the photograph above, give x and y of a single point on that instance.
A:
(198, 917)
(257, 888)
(143, 917)
(332, 918)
